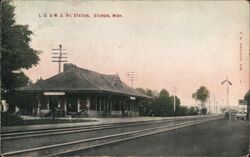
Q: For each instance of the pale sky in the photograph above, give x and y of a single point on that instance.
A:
(182, 44)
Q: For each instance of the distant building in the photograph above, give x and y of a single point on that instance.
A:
(242, 106)
(78, 91)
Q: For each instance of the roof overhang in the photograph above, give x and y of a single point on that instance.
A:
(60, 91)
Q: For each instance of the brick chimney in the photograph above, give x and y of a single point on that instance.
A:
(67, 66)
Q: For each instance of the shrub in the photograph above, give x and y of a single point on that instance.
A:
(204, 111)
(193, 111)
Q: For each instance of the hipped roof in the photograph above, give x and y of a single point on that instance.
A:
(77, 79)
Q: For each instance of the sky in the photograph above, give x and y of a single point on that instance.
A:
(168, 44)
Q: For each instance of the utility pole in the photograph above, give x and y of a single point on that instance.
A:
(216, 110)
(58, 57)
(227, 84)
(209, 105)
(174, 104)
(131, 77)
(214, 104)
(174, 91)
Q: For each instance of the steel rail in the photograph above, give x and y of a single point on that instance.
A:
(65, 153)
(65, 128)
(110, 138)
(7, 133)
(75, 130)
(57, 131)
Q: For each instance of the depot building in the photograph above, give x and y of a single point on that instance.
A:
(78, 91)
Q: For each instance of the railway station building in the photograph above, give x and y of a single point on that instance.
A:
(78, 91)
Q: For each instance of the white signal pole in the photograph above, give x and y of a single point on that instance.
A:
(227, 83)
(174, 90)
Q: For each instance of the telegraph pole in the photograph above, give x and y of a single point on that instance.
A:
(58, 57)
(131, 77)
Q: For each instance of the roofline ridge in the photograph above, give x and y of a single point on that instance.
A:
(77, 69)
(107, 80)
(96, 72)
(108, 74)
(87, 70)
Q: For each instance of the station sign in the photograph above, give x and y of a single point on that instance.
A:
(132, 98)
(54, 93)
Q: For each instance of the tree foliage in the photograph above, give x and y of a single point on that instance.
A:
(201, 94)
(164, 93)
(204, 111)
(147, 109)
(16, 52)
(193, 111)
(39, 80)
(162, 104)
(148, 92)
(247, 98)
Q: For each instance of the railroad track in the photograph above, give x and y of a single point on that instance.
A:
(66, 148)
(26, 134)
(67, 130)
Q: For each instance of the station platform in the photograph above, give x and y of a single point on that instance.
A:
(89, 121)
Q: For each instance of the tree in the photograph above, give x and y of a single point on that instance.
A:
(201, 94)
(247, 98)
(39, 80)
(16, 52)
(193, 111)
(164, 93)
(146, 109)
(204, 111)
(182, 111)
(162, 105)
(141, 90)
(148, 92)
(151, 93)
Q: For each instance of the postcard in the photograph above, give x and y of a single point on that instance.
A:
(125, 78)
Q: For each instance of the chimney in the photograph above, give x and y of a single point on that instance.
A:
(67, 66)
